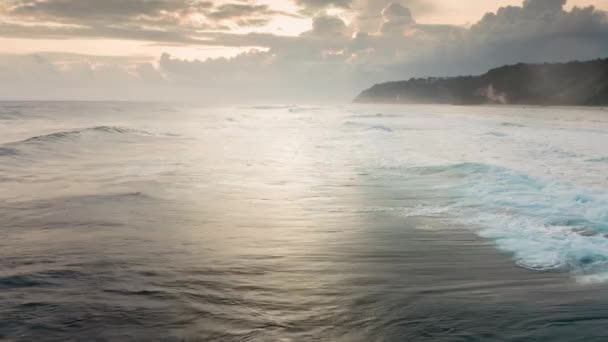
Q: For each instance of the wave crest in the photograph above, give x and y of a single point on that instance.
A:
(70, 135)
(546, 224)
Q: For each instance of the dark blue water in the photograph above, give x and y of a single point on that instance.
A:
(147, 222)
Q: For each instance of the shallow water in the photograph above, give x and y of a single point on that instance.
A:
(292, 223)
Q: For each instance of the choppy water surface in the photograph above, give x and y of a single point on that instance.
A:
(129, 222)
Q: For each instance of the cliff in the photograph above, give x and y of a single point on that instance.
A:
(573, 83)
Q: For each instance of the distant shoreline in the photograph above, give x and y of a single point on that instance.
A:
(583, 84)
(488, 105)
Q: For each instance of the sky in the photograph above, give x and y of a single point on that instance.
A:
(276, 50)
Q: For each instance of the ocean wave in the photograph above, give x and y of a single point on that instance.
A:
(36, 279)
(368, 127)
(136, 292)
(71, 135)
(547, 225)
(496, 134)
(462, 168)
(289, 108)
(18, 281)
(380, 128)
(7, 151)
(298, 109)
(598, 160)
(10, 114)
(375, 116)
(272, 107)
(512, 124)
(88, 198)
(55, 202)
(30, 145)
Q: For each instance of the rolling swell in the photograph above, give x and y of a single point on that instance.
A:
(19, 147)
(375, 116)
(71, 135)
(547, 225)
(47, 278)
(19, 281)
(368, 127)
(10, 114)
(7, 151)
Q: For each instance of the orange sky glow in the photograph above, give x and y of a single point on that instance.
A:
(452, 12)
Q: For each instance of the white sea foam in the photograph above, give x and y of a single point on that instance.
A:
(533, 180)
(546, 225)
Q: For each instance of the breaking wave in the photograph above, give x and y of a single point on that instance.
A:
(546, 225)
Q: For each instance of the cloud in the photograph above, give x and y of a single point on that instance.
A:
(324, 25)
(179, 21)
(331, 60)
(369, 12)
(58, 77)
(315, 5)
(227, 11)
(544, 5)
(366, 9)
(540, 17)
(84, 10)
(247, 14)
(396, 19)
(68, 70)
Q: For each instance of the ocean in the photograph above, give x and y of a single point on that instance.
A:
(178, 222)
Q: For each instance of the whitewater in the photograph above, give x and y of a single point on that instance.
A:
(168, 221)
